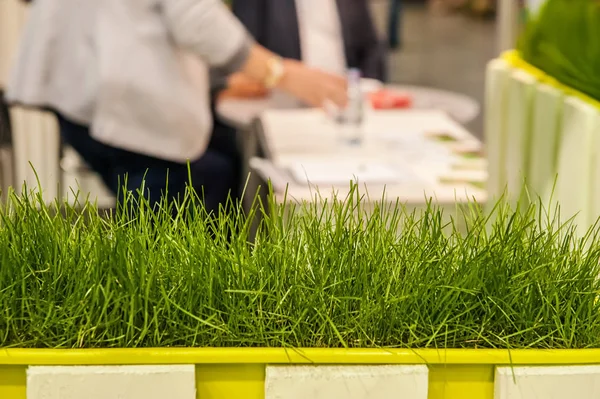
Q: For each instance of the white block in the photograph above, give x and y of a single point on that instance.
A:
(346, 382)
(36, 144)
(575, 162)
(519, 119)
(496, 99)
(111, 382)
(595, 183)
(547, 114)
(580, 382)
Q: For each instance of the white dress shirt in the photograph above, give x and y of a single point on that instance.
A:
(321, 42)
(129, 69)
(321, 38)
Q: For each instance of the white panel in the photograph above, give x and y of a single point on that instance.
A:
(547, 115)
(578, 382)
(346, 382)
(496, 97)
(116, 382)
(595, 182)
(35, 135)
(518, 132)
(36, 143)
(573, 191)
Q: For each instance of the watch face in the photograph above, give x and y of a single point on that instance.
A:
(276, 71)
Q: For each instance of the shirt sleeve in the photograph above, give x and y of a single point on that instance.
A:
(210, 30)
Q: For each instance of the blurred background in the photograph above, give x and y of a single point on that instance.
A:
(439, 48)
(443, 44)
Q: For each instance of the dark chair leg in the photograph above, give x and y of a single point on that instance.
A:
(5, 135)
(395, 24)
(6, 152)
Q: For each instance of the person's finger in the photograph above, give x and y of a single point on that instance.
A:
(339, 81)
(338, 96)
(332, 110)
(314, 100)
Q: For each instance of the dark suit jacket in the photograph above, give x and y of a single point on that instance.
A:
(274, 24)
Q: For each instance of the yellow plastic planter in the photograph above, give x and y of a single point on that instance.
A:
(513, 58)
(240, 372)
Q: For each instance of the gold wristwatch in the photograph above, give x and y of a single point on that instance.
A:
(276, 72)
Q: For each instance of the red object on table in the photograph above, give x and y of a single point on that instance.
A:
(387, 99)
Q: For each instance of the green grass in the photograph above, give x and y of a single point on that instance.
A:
(564, 42)
(442, 137)
(317, 275)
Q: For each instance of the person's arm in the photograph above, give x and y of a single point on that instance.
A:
(250, 14)
(209, 29)
(239, 85)
(218, 83)
(312, 86)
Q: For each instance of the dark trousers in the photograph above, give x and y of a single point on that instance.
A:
(214, 175)
(5, 132)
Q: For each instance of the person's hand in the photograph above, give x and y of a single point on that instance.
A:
(241, 86)
(314, 87)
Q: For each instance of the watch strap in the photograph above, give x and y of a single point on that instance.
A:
(276, 72)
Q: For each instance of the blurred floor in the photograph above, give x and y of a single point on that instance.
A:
(448, 52)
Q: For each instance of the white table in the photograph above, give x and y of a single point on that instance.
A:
(292, 137)
(240, 113)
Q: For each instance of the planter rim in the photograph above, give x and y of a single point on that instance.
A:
(149, 356)
(513, 58)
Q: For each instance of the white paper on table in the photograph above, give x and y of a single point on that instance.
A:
(415, 145)
(470, 164)
(430, 157)
(343, 171)
(467, 176)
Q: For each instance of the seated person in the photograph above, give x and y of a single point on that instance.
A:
(331, 35)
